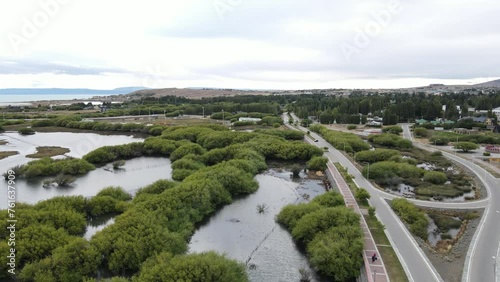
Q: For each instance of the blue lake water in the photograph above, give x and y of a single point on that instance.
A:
(5, 99)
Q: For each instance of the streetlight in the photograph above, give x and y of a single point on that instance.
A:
(374, 275)
(203, 111)
(494, 268)
(368, 172)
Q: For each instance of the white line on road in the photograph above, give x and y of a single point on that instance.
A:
(412, 240)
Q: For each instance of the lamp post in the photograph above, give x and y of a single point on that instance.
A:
(203, 111)
(494, 268)
(368, 172)
(374, 275)
(223, 119)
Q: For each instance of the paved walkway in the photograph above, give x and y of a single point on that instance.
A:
(375, 271)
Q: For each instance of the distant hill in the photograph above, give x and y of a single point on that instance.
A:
(195, 93)
(56, 91)
(494, 83)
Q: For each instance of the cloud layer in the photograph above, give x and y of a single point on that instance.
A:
(248, 44)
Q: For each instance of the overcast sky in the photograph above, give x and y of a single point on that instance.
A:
(259, 44)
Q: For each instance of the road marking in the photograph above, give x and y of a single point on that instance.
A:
(412, 240)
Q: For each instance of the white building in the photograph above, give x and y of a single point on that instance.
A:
(249, 119)
(496, 112)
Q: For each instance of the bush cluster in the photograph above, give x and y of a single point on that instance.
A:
(340, 140)
(410, 214)
(331, 233)
(390, 140)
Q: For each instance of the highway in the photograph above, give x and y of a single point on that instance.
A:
(480, 262)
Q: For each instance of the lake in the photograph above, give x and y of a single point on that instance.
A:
(11, 99)
(136, 173)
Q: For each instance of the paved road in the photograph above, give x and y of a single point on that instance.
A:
(417, 266)
(483, 256)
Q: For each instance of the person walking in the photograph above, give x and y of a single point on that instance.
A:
(374, 257)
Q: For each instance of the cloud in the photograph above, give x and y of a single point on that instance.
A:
(257, 42)
(33, 67)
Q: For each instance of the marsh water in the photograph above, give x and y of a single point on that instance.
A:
(254, 238)
(135, 174)
(238, 229)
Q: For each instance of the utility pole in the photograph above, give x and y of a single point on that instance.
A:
(223, 119)
(494, 269)
(203, 111)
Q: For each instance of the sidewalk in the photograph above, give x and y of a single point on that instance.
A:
(375, 271)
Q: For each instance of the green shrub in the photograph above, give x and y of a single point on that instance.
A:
(390, 140)
(362, 195)
(394, 129)
(317, 163)
(43, 123)
(410, 214)
(486, 154)
(329, 199)
(26, 131)
(439, 141)
(322, 220)
(435, 177)
(348, 142)
(421, 132)
(351, 126)
(116, 193)
(336, 253)
(373, 156)
(208, 266)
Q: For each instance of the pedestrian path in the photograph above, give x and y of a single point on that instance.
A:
(375, 271)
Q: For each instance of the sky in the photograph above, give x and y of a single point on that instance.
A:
(251, 44)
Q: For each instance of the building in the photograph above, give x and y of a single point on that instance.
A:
(249, 119)
(496, 111)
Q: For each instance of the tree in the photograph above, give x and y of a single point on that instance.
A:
(362, 195)
(435, 177)
(26, 131)
(338, 252)
(296, 169)
(317, 163)
(439, 141)
(395, 129)
(466, 146)
(421, 132)
(209, 266)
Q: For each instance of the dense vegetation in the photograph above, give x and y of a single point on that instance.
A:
(348, 142)
(393, 107)
(51, 167)
(410, 214)
(149, 238)
(48, 242)
(331, 233)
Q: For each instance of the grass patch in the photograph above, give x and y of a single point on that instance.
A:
(392, 264)
(47, 152)
(6, 154)
(439, 190)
